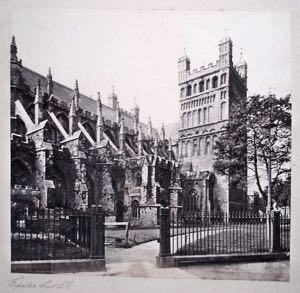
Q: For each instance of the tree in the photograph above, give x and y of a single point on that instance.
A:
(258, 134)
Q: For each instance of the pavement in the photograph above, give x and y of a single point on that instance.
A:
(139, 261)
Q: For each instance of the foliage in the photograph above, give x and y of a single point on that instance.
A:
(259, 130)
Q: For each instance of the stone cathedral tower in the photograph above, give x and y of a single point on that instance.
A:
(206, 96)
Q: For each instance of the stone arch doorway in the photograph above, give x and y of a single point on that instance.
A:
(119, 211)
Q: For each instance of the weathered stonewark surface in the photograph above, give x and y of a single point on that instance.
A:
(58, 266)
(176, 261)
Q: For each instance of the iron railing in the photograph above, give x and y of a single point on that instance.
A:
(38, 234)
(198, 233)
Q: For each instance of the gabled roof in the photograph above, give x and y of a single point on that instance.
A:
(65, 94)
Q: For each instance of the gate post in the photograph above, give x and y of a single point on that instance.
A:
(97, 249)
(276, 231)
(164, 245)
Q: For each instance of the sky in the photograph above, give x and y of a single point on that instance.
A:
(136, 52)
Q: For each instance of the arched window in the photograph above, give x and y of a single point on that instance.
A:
(207, 146)
(192, 202)
(182, 92)
(64, 121)
(204, 116)
(214, 143)
(201, 86)
(89, 129)
(215, 82)
(194, 118)
(56, 137)
(223, 78)
(200, 148)
(223, 111)
(185, 150)
(195, 148)
(207, 84)
(194, 88)
(189, 90)
(135, 209)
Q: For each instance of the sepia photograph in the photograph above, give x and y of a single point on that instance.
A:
(150, 144)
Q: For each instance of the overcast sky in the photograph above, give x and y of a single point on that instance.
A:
(137, 51)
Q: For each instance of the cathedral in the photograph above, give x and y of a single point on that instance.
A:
(71, 151)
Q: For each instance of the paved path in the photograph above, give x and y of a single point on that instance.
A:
(139, 261)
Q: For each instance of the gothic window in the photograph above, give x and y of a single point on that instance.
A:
(195, 148)
(182, 93)
(89, 129)
(135, 209)
(192, 201)
(223, 111)
(189, 90)
(207, 149)
(223, 78)
(215, 82)
(201, 86)
(194, 118)
(195, 88)
(200, 149)
(64, 121)
(207, 84)
(56, 137)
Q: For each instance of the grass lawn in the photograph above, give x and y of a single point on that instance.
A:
(237, 239)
